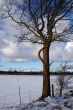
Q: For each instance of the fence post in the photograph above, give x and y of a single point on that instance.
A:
(19, 95)
(52, 90)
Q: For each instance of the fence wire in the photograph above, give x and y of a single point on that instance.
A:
(10, 101)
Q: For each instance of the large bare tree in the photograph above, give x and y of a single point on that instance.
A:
(38, 21)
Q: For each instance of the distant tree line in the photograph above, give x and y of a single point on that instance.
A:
(15, 72)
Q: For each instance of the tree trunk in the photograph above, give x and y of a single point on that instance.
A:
(46, 74)
(61, 89)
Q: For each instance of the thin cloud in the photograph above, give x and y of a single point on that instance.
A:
(11, 51)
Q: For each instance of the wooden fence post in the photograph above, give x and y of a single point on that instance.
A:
(19, 95)
(52, 90)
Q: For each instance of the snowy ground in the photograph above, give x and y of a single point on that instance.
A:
(50, 103)
(31, 89)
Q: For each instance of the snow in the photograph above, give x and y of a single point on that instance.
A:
(31, 90)
(50, 103)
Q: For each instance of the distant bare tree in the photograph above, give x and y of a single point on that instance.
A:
(63, 79)
(38, 21)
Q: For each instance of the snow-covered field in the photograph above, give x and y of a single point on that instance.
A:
(30, 90)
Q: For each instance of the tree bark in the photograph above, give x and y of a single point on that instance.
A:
(61, 89)
(46, 73)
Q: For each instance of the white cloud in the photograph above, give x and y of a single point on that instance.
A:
(11, 51)
(56, 51)
(61, 51)
(1, 2)
(8, 51)
(61, 25)
(69, 46)
(19, 53)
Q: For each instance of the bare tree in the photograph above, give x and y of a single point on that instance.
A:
(38, 21)
(63, 80)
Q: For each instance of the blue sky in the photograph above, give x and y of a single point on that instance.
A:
(28, 66)
(25, 55)
(14, 56)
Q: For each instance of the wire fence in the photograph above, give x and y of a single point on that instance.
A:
(17, 99)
